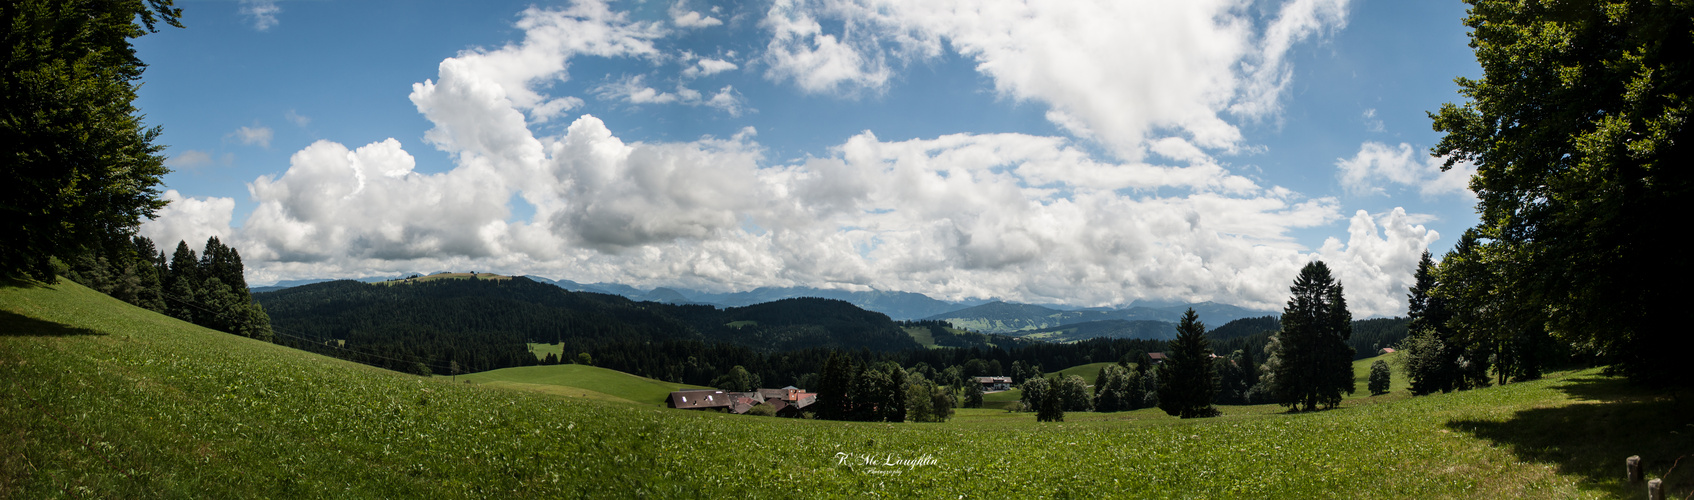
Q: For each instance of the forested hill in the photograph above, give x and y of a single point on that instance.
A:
(802, 323)
(486, 324)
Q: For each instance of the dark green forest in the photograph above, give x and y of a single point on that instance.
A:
(208, 290)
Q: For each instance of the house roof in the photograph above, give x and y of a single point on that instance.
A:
(805, 399)
(992, 380)
(1156, 356)
(699, 399)
(1388, 350)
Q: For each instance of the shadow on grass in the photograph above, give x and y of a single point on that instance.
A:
(17, 325)
(13, 282)
(1591, 438)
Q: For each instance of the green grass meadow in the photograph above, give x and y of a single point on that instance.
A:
(578, 380)
(102, 400)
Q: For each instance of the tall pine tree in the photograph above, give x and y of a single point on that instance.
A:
(1190, 378)
(1314, 363)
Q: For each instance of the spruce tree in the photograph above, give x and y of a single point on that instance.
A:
(1427, 308)
(833, 386)
(1190, 379)
(79, 166)
(1314, 362)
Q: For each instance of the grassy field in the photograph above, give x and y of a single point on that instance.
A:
(542, 350)
(99, 399)
(580, 381)
(921, 335)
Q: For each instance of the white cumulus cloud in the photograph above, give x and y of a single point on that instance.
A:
(707, 66)
(1121, 72)
(684, 18)
(190, 220)
(1013, 216)
(1377, 165)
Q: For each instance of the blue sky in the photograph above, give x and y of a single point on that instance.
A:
(1086, 153)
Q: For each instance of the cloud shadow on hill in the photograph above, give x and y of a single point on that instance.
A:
(1590, 438)
(17, 325)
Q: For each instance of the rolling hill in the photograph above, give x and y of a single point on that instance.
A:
(580, 381)
(897, 305)
(102, 399)
(486, 323)
(1110, 328)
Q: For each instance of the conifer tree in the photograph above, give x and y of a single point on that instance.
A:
(1189, 376)
(1314, 362)
(79, 166)
(833, 386)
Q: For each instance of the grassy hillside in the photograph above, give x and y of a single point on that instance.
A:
(1111, 328)
(1088, 372)
(573, 379)
(99, 399)
(921, 335)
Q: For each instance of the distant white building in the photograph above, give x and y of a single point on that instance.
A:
(992, 384)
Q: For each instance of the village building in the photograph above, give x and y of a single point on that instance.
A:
(995, 384)
(788, 400)
(699, 399)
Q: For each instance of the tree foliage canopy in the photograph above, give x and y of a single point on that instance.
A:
(79, 166)
(1579, 133)
(1312, 363)
(1190, 378)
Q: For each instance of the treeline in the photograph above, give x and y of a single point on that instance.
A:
(208, 290)
(701, 363)
(1308, 364)
(1368, 338)
(1461, 339)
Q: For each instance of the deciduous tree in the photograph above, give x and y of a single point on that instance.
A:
(1379, 377)
(1579, 131)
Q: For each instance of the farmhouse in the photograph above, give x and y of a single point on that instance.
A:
(698, 400)
(1157, 357)
(992, 384)
(788, 400)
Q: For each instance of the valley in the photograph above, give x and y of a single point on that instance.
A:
(109, 400)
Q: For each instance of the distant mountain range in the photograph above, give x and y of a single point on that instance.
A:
(982, 316)
(1006, 318)
(897, 305)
